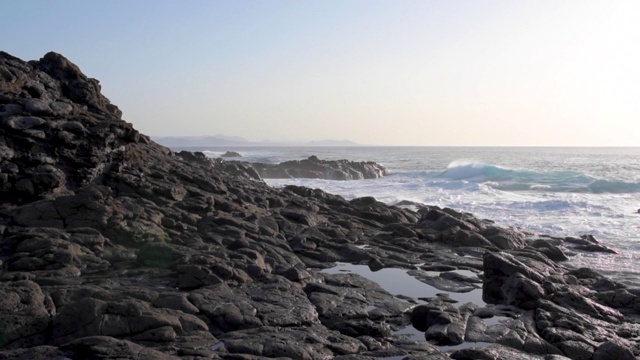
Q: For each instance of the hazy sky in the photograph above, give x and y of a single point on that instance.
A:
(375, 72)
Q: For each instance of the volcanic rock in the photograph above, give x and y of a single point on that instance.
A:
(314, 168)
(231, 154)
(112, 246)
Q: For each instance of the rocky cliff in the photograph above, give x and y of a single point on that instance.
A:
(112, 246)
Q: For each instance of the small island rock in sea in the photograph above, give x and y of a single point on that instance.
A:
(231, 154)
(113, 246)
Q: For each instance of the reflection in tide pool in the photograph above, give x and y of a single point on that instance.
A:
(465, 345)
(399, 282)
(411, 332)
(417, 335)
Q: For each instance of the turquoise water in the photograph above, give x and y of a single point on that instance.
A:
(556, 191)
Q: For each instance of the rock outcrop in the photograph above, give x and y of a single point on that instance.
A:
(112, 246)
(231, 154)
(314, 168)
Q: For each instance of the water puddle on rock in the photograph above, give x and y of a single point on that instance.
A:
(465, 345)
(412, 333)
(462, 272)
(417, 335)
(399, 282)
(494, 320)
(467, 273)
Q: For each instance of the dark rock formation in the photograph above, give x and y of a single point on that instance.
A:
(314, 168)
(231, 154)
(112, 246)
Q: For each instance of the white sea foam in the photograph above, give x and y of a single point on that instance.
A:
(540, 187)
(564, 192)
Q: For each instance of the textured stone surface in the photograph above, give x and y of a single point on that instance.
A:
(315, 168)
(112, 246)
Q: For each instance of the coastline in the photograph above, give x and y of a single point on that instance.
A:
(114, 246)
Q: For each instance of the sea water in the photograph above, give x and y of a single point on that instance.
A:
(553, 191)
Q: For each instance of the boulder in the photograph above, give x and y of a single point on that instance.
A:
(613, 350)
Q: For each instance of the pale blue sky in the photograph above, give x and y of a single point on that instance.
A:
(374, 72)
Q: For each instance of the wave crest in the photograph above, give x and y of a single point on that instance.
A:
(506, 179)
(463, 169)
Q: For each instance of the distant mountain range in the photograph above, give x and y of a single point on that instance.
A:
(222, 140)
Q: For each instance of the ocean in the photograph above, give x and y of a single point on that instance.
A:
(554, 191)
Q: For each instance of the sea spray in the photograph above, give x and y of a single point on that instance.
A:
(560, 192)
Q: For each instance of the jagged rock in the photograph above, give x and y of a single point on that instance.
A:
(552, 251)
(589, 243)
(440, 220)
(441, 321)
(502, 238)
(579, 303)
(112, 246)
(315, 168)
(514, 280)
(522, 292)
(469, 238)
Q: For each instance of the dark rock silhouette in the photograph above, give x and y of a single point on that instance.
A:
(113, 246)
(231, 154)
(315, 168)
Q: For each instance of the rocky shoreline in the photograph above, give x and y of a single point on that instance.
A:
(113, 246)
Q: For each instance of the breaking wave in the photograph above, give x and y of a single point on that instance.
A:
(506, 179)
